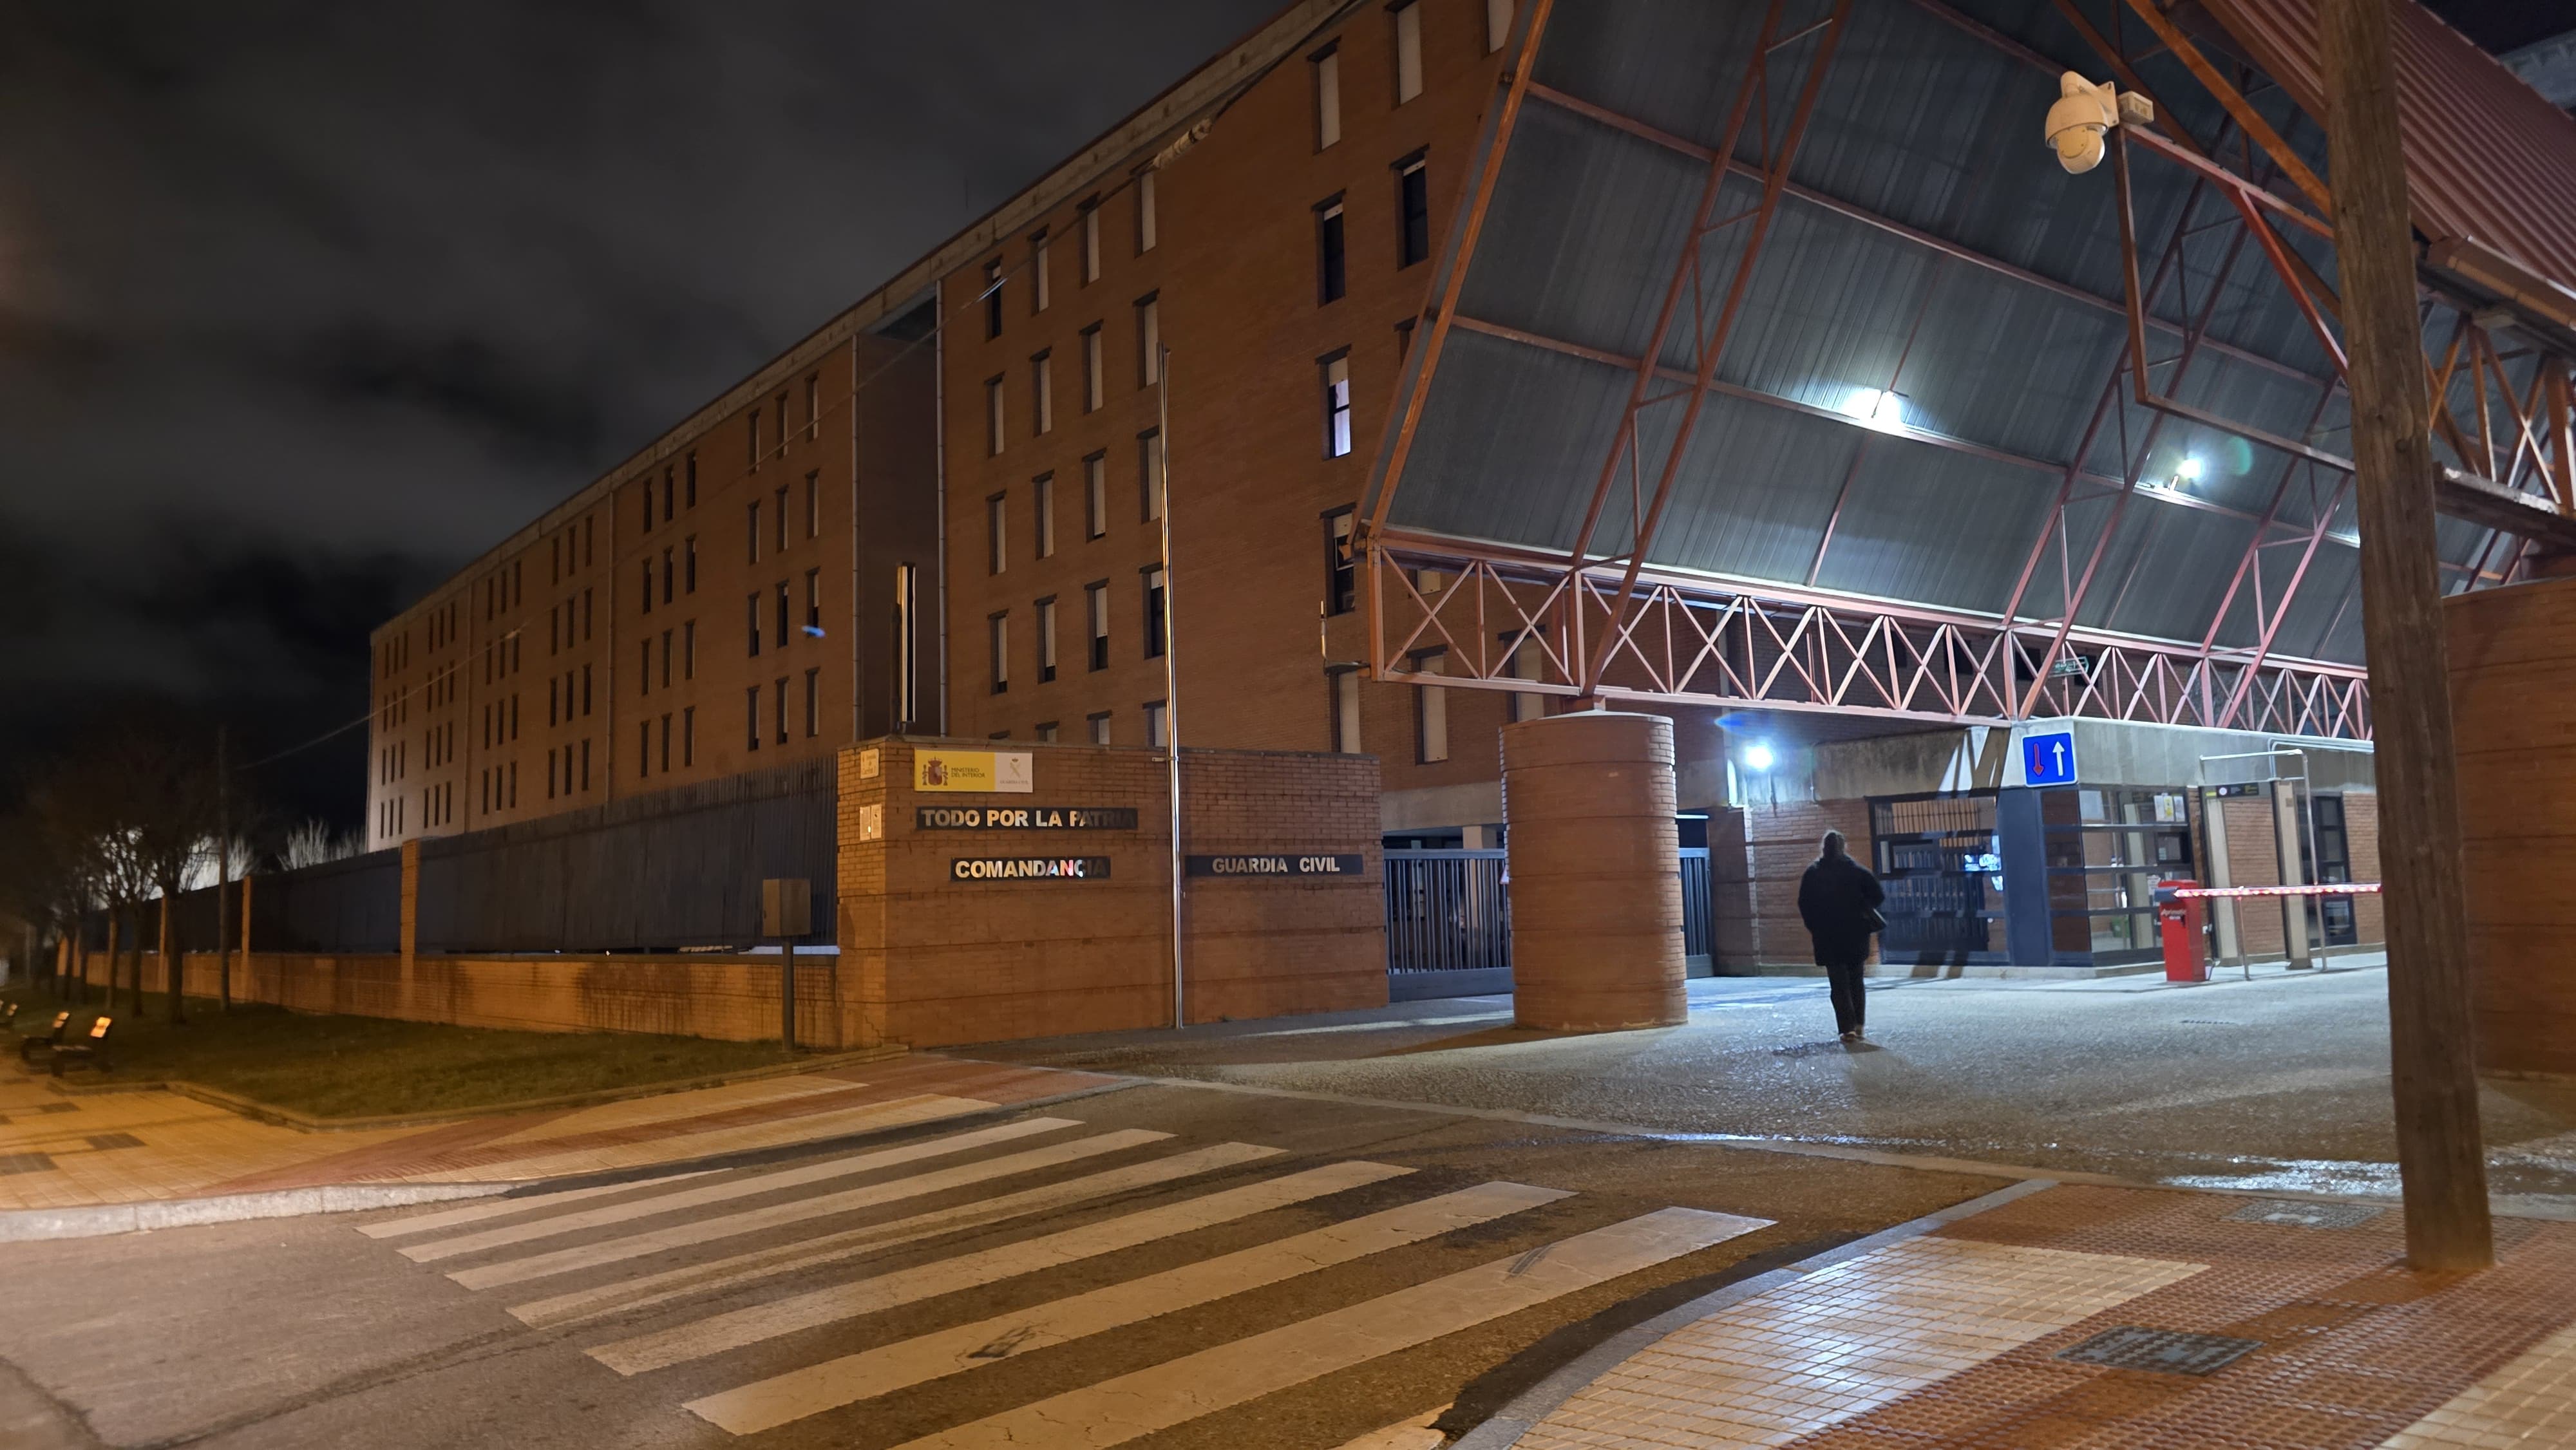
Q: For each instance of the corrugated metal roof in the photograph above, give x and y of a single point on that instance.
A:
(2487, 157)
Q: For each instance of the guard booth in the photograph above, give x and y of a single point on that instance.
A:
(2056, 876)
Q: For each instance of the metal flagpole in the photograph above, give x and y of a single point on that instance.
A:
(1171, 662)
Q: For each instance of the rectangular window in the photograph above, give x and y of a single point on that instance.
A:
(644, 489)
(1099, 728)
(689, 472)
(1043, 486)
(780, 696)
(1154, 620)
(647, 566)
(752, 617)
(814, 505)
(1408, 51)
(1149, 473)
(1046, 639)
(670, 495)
(1095, 496)
(813, 703)
(1042, 394)
(1046, 731)
(1096, 607)
(1331, 276)
(643, 747)
(781, 500)
(993, 417)
(1091, 241)
(1144, 212)
(993, 298)
(782, 421)
(666, 659)
(666, 745)
(585, 614)
(689, 736)
(585, 691)
(814, 603)
(1337, 405)
(1431, 712)
(754, 444)
(1038, 297)
(1149, 339)
(997, 524)
(1412, 211)
(1094, 386)
(997, 641)
(813, 406)
(1498, 24)
(752, 523)
(1328, 96)
(689, 565)
(668, 578)
(1157, 733)
(644, 666)
(1341, 570)
(1345, 688)
(751, 713)
(689, 650)
(782, 614)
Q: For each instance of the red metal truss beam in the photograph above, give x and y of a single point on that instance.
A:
(2238, 108)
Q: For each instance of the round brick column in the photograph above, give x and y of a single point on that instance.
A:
(1596, 874)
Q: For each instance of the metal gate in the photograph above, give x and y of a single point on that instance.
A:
(1448, 924)
(1697, 927)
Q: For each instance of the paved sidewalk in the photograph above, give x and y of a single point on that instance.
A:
(2108, 1317)
(61, 1151)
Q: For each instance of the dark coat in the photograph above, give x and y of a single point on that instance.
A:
(1834, 899)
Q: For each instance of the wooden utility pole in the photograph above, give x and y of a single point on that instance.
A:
(2441, 1155)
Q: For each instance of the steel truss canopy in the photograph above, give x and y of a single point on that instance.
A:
(1771, 360)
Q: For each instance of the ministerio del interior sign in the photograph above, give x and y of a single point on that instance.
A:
(1002, 771)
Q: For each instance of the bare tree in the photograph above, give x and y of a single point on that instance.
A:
(313, 843)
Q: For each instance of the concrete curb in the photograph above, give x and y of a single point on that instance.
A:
(99, 1220)
(1535, 1403)
(258, 1111)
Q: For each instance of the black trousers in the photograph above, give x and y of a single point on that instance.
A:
(1851, 1002)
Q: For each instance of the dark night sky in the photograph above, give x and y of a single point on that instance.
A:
(304, 305)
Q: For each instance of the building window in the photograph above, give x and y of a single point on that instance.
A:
(993, 416)
(1408, 51)
(780, 696)
(781, 500)
(1149, 339)
(644, 666)
(1095, 495)
(1154, 620)
(752, 615)
(1412, 211)
(997, 523)
(814, 505)
(689, 565)
(1341, 570)
(1157, 732)
(1038, 297)
(1046, 731)
(1094, 386)
(813, 703)
(993, 298)
(1337, 405)
(1430, 712)
(1091, 240)
(781, 596)
(689, 472)
(1498, 24)
(1149, 473)
(644, 487)
(813, 407)
(906, 678)
(751, 518)
(1096, 608)
(1043, 486)
(1328, 96)
(751, 713)
(755, 440)
(997, 639)
(1099, 727)
(585, 691)
(689, 650)
(647, 566)
(814, 603)
(1042, 394)
(643, 748)
(668, 576)
(666, 745)
(782, 422)
(1144, 212)
(1344, 688)
(1046, 639)
(1331, 276)
(689, 736)
(666, 659)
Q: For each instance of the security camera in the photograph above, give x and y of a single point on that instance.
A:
(2083, 116)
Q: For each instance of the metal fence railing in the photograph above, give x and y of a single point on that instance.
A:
(1698, 929)
(1447, 911)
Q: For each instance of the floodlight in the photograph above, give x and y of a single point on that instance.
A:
(2189, 469)
(1758, 756)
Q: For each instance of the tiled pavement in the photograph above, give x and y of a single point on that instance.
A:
(1960, 1338)
(61, 1152)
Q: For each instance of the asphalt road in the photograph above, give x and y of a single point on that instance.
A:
(1205, 1267)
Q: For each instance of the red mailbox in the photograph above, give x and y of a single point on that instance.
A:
(2180, 921)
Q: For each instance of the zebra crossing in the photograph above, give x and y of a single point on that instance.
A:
(700, 1263)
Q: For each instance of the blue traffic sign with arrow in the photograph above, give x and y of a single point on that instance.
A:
(2048, 759)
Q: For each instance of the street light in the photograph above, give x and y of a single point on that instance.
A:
(1757, 756)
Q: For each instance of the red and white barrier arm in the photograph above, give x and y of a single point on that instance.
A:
(2350, 888)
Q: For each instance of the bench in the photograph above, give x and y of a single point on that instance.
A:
(90, 1051)
(51, 1038)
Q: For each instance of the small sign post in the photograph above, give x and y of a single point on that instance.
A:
(786, 913)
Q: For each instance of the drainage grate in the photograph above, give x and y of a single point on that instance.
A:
(2164, 1351)
(2296, 1214)
(25, 1163)
(114, 1140)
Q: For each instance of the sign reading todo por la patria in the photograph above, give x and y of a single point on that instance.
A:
(1024, 818)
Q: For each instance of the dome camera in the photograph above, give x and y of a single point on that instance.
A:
(2079, 122)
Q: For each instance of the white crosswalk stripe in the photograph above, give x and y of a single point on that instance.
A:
(774, 1380)
(732, 1188)
(779, 1215)
(835, 1382)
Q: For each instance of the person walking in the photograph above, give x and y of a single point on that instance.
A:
(1838, 899)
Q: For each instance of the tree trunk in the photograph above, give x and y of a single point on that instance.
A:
(174, 954)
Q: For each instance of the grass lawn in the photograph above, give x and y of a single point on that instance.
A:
(353, 1067)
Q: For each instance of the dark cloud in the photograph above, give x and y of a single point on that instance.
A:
(302, 306)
